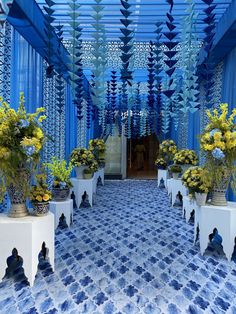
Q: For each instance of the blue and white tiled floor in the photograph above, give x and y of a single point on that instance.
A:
(130, 253)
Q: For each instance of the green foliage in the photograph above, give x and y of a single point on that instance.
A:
(60, 171)
(175, 169)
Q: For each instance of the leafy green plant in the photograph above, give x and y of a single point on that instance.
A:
(175, 169)
(61, 172)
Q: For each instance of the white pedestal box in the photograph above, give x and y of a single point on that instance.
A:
(188, 206)
(162, 174)
(79, 187)
(27, 235)
(174, 187)
(63, 207)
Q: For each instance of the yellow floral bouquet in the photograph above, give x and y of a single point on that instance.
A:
(98, 148)
(196, 179)
(186, 157)
(161, 163)
(21, 139)
(39, 192)
(218, 142)
(168, 149)
(83, 157)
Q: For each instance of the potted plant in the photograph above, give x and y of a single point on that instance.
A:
(167, 150)
(21, 140)
(98, 148)
(61, 173)
(175, 170)
(81, 159)
(40, 195)
(218, 142)
(186, 158)
(196, 179)
(161, 164)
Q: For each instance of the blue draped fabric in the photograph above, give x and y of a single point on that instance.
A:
(229, 89)
(26, 73)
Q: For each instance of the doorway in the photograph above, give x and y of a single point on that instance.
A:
(141, 156)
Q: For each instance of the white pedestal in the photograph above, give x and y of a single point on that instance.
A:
(162, 174)
(188, 206)
(174, 187)
(79, 187)
(168, 185)
(59, 208)
(101, 175)
(223, 218)
(27, 236)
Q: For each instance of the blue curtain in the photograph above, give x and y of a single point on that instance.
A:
(26, 73)
(229, 89)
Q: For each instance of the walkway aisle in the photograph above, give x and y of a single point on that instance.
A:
(130, 253)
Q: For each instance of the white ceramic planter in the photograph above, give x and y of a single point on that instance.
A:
(201, 198)
(175, 175)
(80, 171)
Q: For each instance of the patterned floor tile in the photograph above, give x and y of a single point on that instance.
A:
(130, 253)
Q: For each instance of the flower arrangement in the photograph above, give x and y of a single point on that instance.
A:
(83, 157)
(39, 192)
(21, 139)
(168, 149)
(98, 148)
(218, 142)
(196, 179)
(175, 169)
(61, 173)
(161, 163)
(186, 157)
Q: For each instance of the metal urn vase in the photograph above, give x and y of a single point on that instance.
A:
(219, 192)
(17, 195)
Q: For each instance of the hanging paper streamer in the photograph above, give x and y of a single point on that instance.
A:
(189, 55)
(60, 67)
(171, 67)
(99, 62)
(158, 76)
(76, 72)
(4, 10)
(136, 111)
(151, 90)
(207, 68)
(113, 97)
(88, 108)
(49, 31)
(126, 55)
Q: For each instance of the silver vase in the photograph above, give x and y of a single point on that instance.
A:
(219, 197)
(18, 201)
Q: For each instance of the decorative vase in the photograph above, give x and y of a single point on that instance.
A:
(88, 175)
(201, 198)
(59, 194)
(219, 197)
(17, 195)
(79, 171)
(175, 175)
(41, 208)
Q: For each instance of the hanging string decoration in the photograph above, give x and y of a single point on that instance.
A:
(99, 61)
(136, 111)
(76, 71)
(189, 54)
(4, 10)
(113, 98)
(171, 67)
(49, 31)
(207, 68)
(151, 89)
(158, 76)
(126, 55)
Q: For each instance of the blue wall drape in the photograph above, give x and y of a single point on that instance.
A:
(229, 89)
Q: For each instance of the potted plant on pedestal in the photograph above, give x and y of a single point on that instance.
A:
(81, 159)
(161, 164)
(175, 170)
(40, 195)
(218, 142)
(186, 158)
(167, 151)
(196, 179)
(21, 139)
(98, 148)
(61, 173)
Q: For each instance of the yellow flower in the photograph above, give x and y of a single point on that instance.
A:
(39, 198)
(41, 118)
(38, 133)
(46, 197)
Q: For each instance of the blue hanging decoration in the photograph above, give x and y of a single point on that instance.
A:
(207, 68)
(76, 71)
(49, 31)
(126, 55)
(120, 110)
(158, 76)
(89, 108)
(99, 62)
(171, 67)
(136, 111)
(113, 97)
(151, 89)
